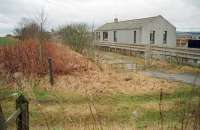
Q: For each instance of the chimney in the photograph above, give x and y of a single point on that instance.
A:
(116, 20)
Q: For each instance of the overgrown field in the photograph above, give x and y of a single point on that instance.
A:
(58, 109)
(78, 103)
(94, 98)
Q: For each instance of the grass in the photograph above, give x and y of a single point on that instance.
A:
(111, 57)
(64, 108)
(7, 41)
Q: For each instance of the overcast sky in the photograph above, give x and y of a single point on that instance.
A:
(184, 14)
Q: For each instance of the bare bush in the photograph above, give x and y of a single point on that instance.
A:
(24, 57)
(27, 29)
(34, 29)
(77, 36)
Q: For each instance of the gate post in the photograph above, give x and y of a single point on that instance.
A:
(22, 120)
(3, 125)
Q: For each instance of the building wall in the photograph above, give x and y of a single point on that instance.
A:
(123, 36)
(182, 42)
(182, 39)
(143, 34)
(127, 36)
(159, 26)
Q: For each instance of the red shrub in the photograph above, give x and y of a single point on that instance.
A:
(24, 57)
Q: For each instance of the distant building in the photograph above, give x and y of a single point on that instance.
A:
(194, 44)
(152, 30)
(183, 38)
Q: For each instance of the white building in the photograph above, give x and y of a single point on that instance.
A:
(153, 30)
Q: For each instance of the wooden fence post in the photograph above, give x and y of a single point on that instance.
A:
(22, 120)
(51, 80)
(136, 67)
(3, 125)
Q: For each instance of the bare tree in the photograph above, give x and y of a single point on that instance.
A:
(27, 29)
(41, 19)
(34, 29)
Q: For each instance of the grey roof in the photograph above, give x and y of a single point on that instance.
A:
(129, 24)
(187, 34)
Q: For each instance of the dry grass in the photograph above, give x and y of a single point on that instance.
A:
(67, 104)
(109, 81)
(173, 68)
(95, 127)
(95, 82)
(158, 65)
(155, 106)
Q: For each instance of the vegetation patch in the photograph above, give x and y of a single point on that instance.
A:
(7, 41)
(68, 108)
(25, 57)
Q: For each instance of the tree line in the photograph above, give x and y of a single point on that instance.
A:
(77, 36)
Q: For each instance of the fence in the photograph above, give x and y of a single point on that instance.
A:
(127, 67)
(21, 115)
(187, 53)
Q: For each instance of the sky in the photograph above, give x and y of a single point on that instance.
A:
(184, 14)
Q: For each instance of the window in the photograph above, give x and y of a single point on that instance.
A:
(135, 35)
(105, 36)
(98, 36)
(195, 61)
(152, 37)
(165, 37)
(115, 36)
